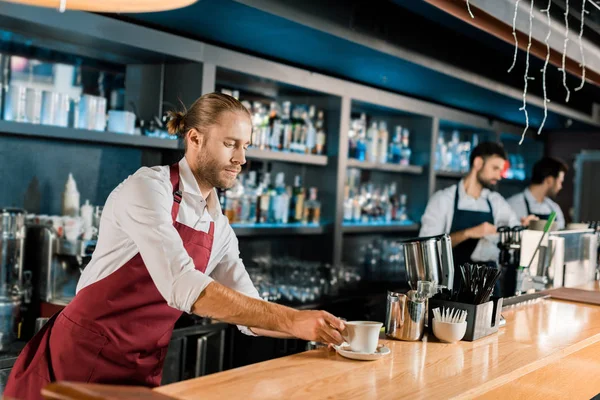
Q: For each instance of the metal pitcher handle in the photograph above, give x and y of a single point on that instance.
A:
(447, 262)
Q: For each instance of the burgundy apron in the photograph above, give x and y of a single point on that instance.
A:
(115, 330)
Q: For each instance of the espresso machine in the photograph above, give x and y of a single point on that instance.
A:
(509, 259)
(56, 264)
(14, 283)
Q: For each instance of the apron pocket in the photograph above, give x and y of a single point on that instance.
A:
(74, 350)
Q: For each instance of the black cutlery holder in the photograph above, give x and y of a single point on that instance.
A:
(482, 319)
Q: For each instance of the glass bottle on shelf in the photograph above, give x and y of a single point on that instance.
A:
(372, 143)
(348, 204)
(453, 151)
(276, 127)
(276, 200)
(296, 209)
(393, 202)
(265, 199)
(321, 137)
(361, 139)
(311, 130)
(382, 151)
(287, 127)
(405, 152)
(312, 208)
(441, 153)
(402, 212)
(248, 208)
(256, 124)
(265, 129)
(357, 207)
(396, 146)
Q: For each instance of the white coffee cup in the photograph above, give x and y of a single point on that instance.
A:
(362, 336)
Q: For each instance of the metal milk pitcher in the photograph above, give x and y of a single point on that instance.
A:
(405, 316)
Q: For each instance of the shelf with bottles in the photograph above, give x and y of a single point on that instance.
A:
(290, 124)
(271, 207)
(387, 139)
(374, 207)
(453, 148)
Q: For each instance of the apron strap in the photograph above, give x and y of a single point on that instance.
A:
(527, 204)
(174, 176)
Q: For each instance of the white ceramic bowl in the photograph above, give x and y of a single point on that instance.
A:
(448, 332)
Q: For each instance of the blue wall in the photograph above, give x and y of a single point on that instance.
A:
(33, 171)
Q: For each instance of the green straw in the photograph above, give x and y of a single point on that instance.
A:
(549, 223)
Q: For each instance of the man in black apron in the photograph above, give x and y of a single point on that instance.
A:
(546, 181)
(470, 211)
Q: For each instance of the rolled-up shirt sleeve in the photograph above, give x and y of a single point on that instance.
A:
(434, 219)
(143, 212)
(231, 272)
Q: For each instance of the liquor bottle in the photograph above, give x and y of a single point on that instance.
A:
(396, 146)
(372, 143)
(348, 204)
(297, 202)
(312, 208)
(321, 137)
(405, 152)
(382, 151)
(286, 122)
(311, 130)
(265, 199)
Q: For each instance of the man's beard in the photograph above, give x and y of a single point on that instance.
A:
(485, 183)
(211, 172)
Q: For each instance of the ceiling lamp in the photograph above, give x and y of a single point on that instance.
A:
(109, 6)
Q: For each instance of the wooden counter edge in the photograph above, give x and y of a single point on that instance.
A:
(88, 391)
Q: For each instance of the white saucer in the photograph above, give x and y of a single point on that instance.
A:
(344, 351)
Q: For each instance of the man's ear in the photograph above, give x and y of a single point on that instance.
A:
(196, 138)
(477, 163)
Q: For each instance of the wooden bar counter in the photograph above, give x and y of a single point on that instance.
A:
(549, 349)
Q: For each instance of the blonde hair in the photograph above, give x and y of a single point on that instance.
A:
(205, 112)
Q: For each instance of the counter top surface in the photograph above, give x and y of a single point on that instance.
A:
(536, 337)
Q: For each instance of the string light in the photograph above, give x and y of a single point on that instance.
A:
(582, 65)
(527, 77)
(564, 55)
(547, 41)
(469, 8)
(514, 27)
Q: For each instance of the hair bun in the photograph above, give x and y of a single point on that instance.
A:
(176, 124)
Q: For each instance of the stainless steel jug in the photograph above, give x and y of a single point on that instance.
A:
(429, 259)
(405, 317)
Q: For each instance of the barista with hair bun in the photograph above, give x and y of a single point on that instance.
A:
(164, 248)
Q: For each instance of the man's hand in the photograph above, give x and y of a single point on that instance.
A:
(481, 230)
(319, 326)
(525, 221)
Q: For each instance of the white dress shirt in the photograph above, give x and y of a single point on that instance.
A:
(137, 219)
(439, 213)
(517, 202)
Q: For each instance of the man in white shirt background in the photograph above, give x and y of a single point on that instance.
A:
(164, 248)
(547, 180)
(470, 211)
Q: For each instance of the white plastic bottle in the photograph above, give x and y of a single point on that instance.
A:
(87, 215)
(70, 205)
